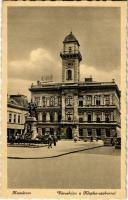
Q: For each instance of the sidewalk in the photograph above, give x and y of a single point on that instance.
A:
(62, 147)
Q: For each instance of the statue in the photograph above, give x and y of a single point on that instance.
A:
(30, 131)
(32, 109)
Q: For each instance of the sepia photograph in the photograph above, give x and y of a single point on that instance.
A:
(65, 99)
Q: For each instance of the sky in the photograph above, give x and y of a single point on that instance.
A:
(35, 39)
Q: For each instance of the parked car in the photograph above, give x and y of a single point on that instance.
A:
(118, 143)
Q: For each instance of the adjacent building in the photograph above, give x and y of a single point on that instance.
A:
(71, 107)
(16, 112)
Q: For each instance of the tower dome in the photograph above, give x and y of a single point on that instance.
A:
(70, 38)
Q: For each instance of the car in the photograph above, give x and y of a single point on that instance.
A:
(118, 143)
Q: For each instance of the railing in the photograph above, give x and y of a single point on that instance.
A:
(46, 107)
(97, 106)
(98, 122)
(89, 122)
(70, 52)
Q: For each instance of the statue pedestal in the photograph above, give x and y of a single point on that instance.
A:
(31, 123)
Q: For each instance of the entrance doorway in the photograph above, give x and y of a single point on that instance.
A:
(69, 133)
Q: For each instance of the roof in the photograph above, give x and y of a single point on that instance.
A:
(12, 101)
(18, 100)
(70, 38)
(87, 86)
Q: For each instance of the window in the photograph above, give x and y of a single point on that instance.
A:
(44, 117)
(69, 75)
(43, 131)
(81, 103)
(37, 101)
(98, 118)
(56, 101)
(51, 131)
(107, 132)
(89, 100)
(98, 132)
(59, 101)
(81, 132)
(69, 101)
(14, 118)
(52, 101)
(10, 117)
(89, 132)
(81, 119)
(107, 117)
(59, 117)
(107, 100)
(98, 99)
(70, 49)
(44, 101)
(51, 117)
(89, 117)
(69, 115)
(18, 119)
(70, 64)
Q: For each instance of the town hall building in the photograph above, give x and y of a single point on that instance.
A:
(71, 107)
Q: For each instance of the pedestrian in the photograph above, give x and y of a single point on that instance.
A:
(91, 139)
(75, 138)
(54, 139)
(50, 140)
(112, 141)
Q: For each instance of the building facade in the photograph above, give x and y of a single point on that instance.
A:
(16, 112)
(71, 107)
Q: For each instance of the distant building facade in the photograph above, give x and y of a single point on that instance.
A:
(16, 112)
(72, 107)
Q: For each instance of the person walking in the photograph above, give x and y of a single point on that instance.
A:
(91, 139)
(54, 139)
(50, 140)
(75, 138)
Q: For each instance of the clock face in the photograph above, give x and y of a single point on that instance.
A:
(69, 64)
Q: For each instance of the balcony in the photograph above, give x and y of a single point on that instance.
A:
(48, 123)
(97, 107)
(47, 108)
(71, 54)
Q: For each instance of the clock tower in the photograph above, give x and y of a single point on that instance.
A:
(71, 58)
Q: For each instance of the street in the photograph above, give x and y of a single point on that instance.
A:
(97, 168)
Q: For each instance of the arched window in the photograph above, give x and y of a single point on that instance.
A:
(69, 75)
(98, 117)
(107, 117)
(51, 117)
(44, 117)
